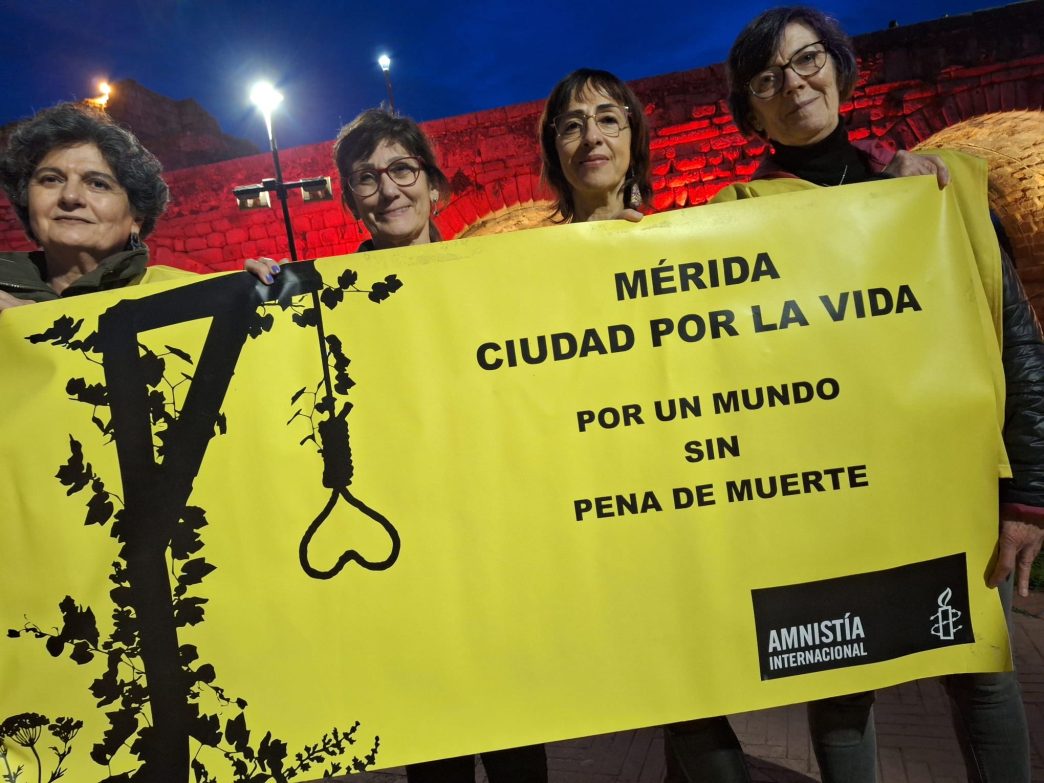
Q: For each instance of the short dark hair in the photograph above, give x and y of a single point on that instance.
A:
(565, 91)
(758, 43)
(66, 125)
(360, 137)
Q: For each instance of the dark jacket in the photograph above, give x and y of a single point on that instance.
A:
(24, 275)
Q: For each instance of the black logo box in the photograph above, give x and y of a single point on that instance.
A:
(898, 609)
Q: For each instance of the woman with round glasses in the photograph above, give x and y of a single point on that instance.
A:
(788, 72)
(594, 148)
(390, 180)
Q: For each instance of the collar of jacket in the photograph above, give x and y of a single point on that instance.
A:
(24, 274)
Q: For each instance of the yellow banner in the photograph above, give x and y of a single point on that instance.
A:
(419, 503)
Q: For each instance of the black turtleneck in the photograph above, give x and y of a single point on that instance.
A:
(830, 161)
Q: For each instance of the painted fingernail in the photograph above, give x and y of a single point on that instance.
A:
(269, 279)
(276, 269)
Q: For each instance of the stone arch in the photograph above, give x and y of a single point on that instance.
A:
(516, 218)
(955, 105)
(509, 202)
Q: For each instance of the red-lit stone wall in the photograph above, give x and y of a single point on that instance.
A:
(913, 82)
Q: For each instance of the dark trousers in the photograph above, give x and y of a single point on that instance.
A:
(514, 765)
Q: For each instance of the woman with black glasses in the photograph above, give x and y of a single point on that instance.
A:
(789, 70)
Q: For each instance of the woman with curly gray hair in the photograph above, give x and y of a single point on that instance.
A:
(87, 192)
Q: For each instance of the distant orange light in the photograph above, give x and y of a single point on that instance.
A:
(106, 90)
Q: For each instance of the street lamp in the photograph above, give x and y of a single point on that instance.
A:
(267, 98)
(385, 62)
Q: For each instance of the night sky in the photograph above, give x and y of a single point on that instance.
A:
(447, 58)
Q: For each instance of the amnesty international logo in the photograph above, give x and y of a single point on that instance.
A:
(878, 616)
(944, 621)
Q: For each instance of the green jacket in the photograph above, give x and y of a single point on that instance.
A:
(23, 275)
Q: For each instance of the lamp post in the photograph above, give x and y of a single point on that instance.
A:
(267, 98)
(385, 62)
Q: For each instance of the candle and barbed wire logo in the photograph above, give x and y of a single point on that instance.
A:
(944, 620)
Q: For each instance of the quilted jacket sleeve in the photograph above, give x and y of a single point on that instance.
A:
(1023, 359)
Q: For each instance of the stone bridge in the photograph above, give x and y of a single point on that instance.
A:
(913, 82)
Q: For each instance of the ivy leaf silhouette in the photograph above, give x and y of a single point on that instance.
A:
(205, 673)
(99, 507)
(179, 353)
(194, 570)
(158, 407)
(74, 474)
(88, 344)
(271, 753)
(59, 333)
(331, 297)
(54, 645)
(121, 595)
(122, 724)
(185, 539)
(297, 394)
(347, 278)
(200, 773)
(189, 611)
(125, 628)
(307, 317)
(206, 729)
(81, 653)
(106, 689)
(92, 394)
(237, 733)
(259, 322)
(382, 290)
(152, 367)
(104, 427)
(78, 624)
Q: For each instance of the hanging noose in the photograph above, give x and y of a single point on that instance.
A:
(338, 471)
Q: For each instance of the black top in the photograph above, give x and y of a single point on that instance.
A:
(830, 161)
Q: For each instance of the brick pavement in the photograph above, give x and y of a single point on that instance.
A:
(916, 742)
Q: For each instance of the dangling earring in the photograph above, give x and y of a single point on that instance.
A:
(635, 199)
(434, 196)
(135, 243)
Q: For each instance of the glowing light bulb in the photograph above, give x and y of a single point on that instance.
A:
(384, 61)
(265, 97)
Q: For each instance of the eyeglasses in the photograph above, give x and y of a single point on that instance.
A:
(609, 119)
(403, 172)
(807, 61)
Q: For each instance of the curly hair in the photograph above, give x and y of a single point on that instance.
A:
(67, 125)
(566, 90)
(758, 43)
(360, 137)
